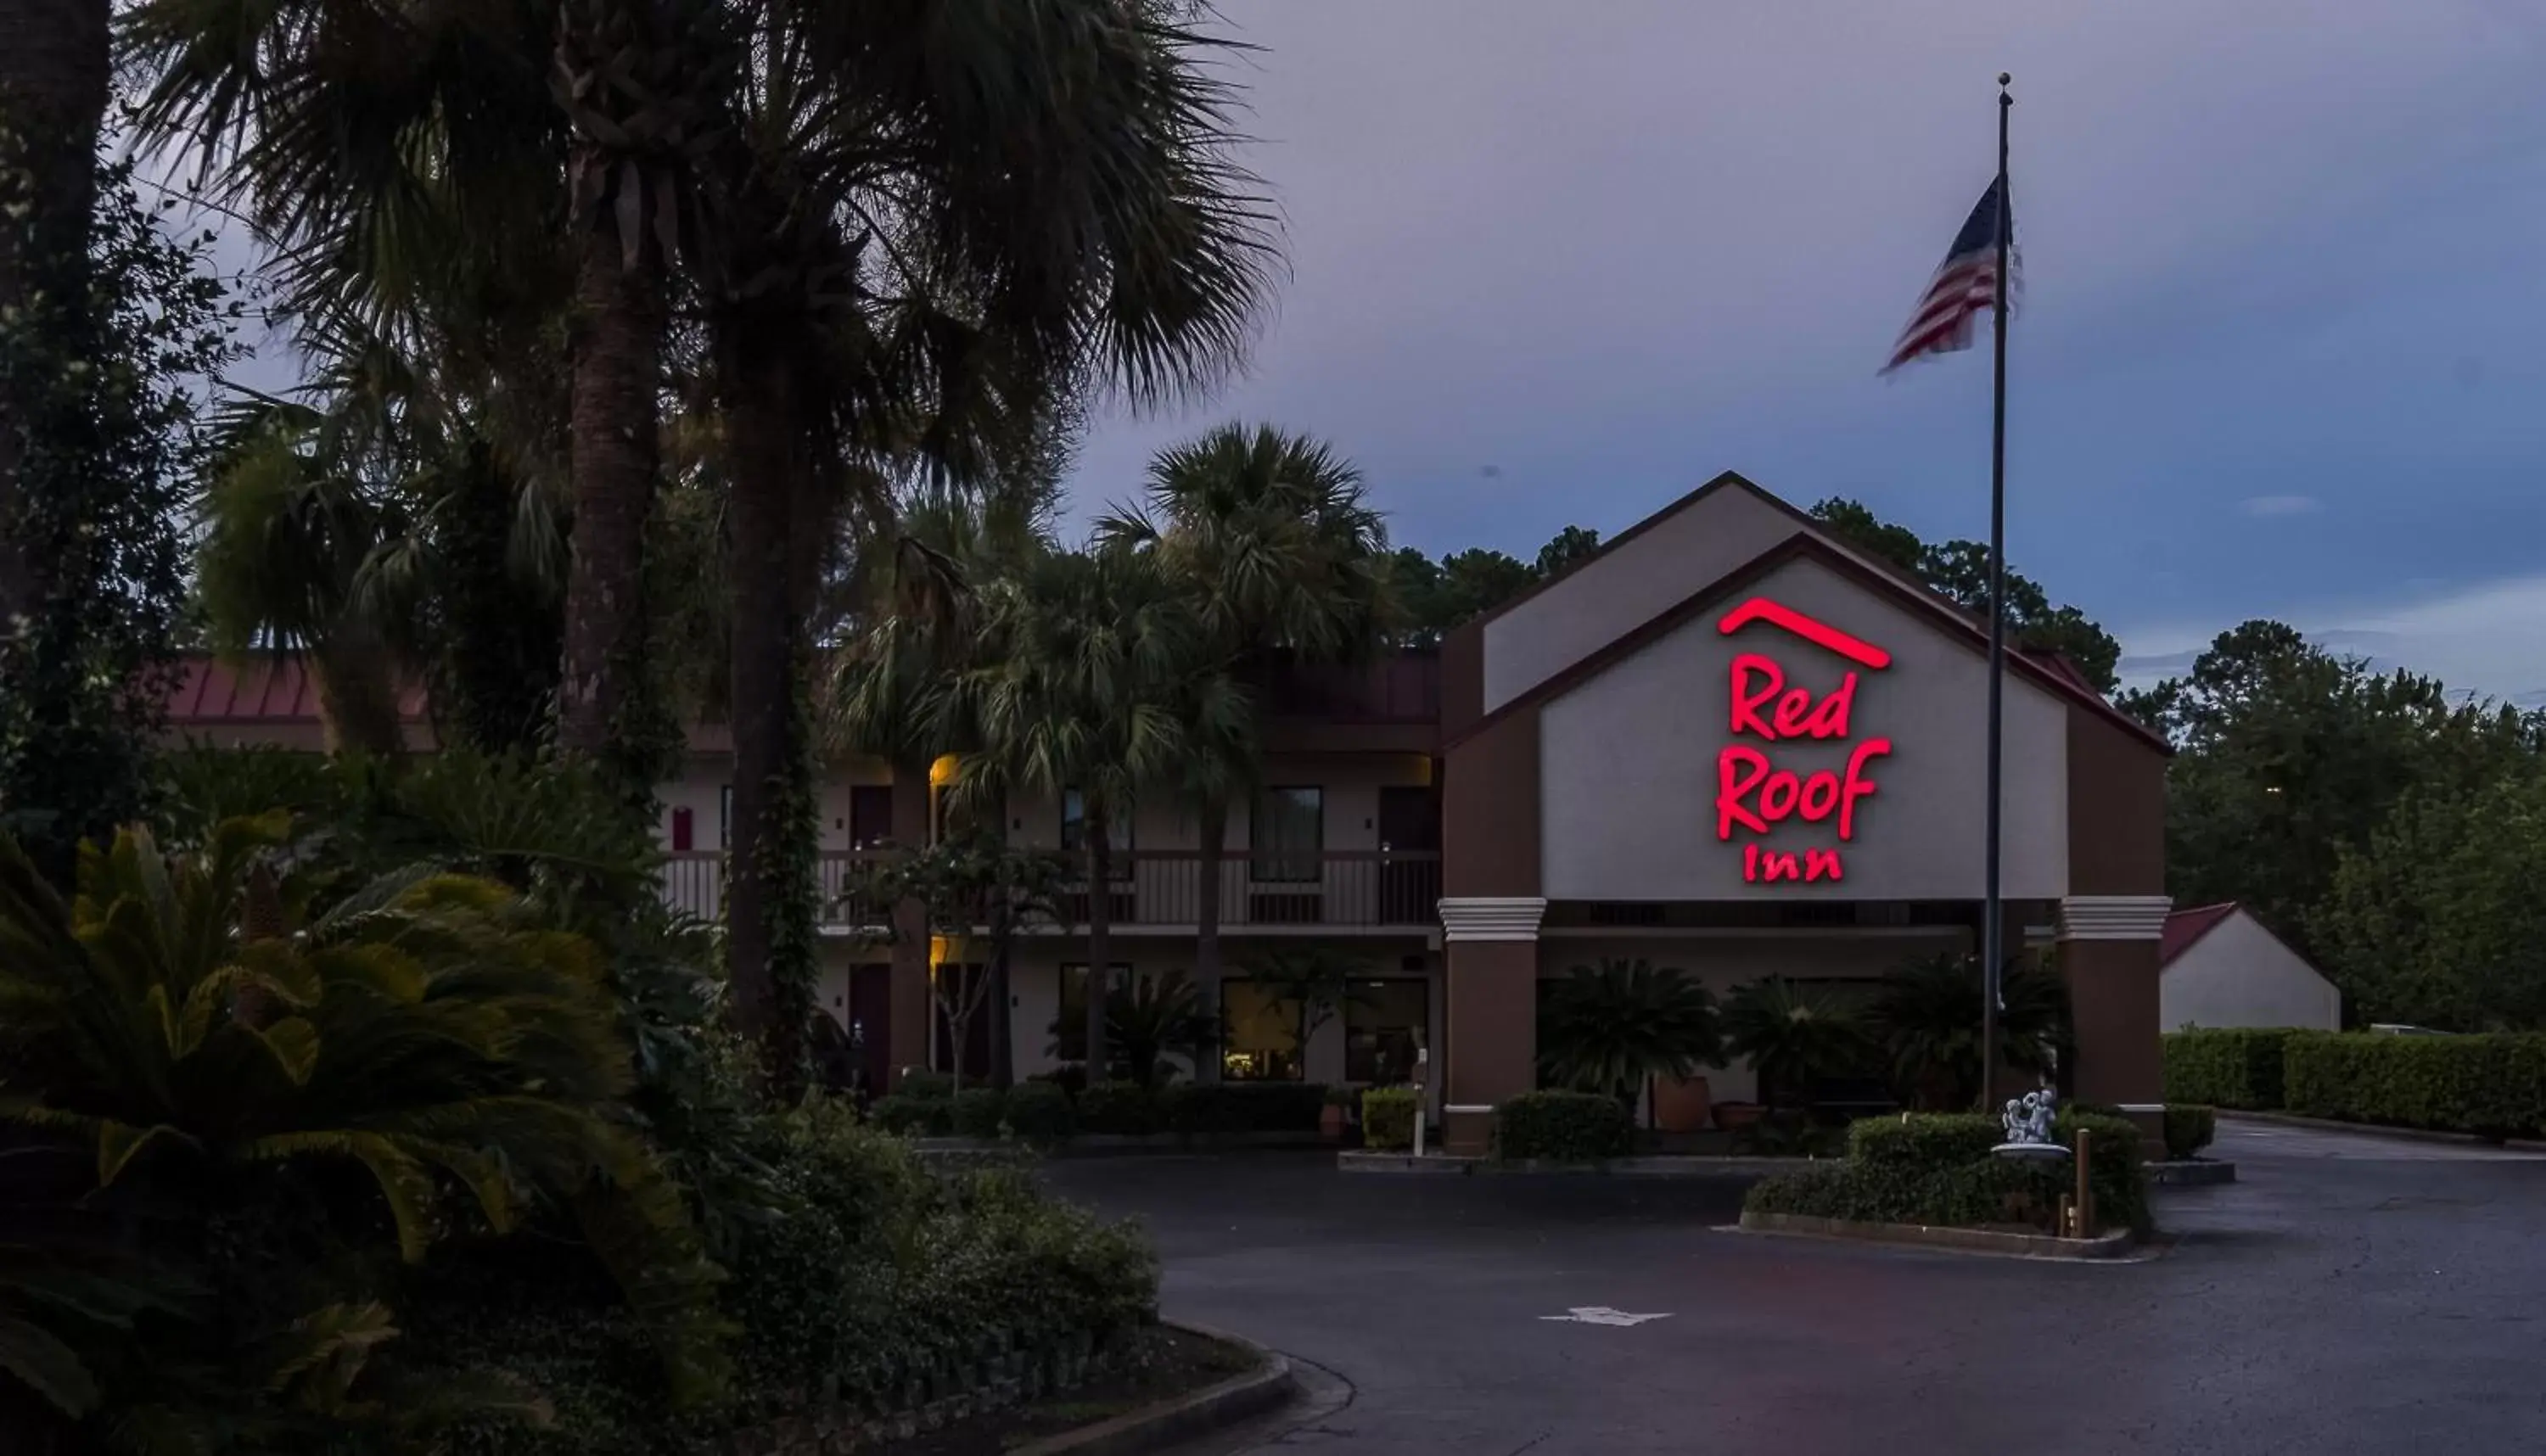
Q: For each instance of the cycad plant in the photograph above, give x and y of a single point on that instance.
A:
(180, 1024)
(1927, 1016)
(1613, 1027)
(1792, 1033)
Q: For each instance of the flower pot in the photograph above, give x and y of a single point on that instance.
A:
(1330, 1122)
(1680, 1106)
(1732, 1117)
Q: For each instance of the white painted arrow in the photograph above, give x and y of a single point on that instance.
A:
(1600, 1314)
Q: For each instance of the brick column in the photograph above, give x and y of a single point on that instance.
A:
(1490, 1033)
(2108, 958)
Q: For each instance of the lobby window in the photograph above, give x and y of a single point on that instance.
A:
(1070, 1026)
(1385, 1021)
(1286, 835)
(1261, 1030)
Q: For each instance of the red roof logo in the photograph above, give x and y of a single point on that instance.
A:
(1820, 634)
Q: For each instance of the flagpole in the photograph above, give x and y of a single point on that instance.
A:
(1993, 914)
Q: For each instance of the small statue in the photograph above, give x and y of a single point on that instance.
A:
(2028, 1119)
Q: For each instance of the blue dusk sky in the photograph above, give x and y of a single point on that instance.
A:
(2279, 348)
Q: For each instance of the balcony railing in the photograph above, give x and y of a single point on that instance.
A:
(1338, 888)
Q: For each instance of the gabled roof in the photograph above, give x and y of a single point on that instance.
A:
(2183, 928)
(1813, 544)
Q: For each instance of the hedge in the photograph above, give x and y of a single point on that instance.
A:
(1562, 1127)
(1387, 1118)
(1041, 1112)
(979, 1112)
(2225, 1068)
(2490, 1084)
(2189, 1129)
(1937, 1168)
(925, 1085)
(930, 1117)
(1118, 1109)
(1243, 1107)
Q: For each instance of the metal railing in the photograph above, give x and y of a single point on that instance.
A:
(1336, 888)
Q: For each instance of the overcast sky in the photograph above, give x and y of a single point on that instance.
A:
(2279, 349)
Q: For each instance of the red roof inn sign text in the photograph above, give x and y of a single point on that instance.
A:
(1753, 795)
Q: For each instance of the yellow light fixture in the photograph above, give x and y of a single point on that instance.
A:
(942, 772)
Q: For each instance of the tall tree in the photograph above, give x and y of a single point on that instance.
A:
(1287, 569)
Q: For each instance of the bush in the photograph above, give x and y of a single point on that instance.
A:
(2225, 1068)
(928, 1117)
(1562, 1127)
(926, 1086)
(2491, 1085)
(1936, 1168)
(1245, 1107)
(1123, 1108)
(978, 1112)
(2189, 1129)
(1039, 1112)
(1387, 1118)
(1069, 1076)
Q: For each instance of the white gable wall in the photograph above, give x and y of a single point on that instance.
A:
(2242, 974)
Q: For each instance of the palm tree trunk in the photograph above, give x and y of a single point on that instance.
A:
(357, 693)
(1100, 916)
(617, 350)
(54, 73)
(907, 1037)
(1213, 817)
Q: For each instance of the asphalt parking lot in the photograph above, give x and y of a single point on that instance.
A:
(2348, 1294)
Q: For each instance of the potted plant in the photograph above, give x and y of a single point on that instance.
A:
(1681, 1104)
(1732, 1117)
(1337, 1112)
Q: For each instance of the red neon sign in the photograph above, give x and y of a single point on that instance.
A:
(1752, 794)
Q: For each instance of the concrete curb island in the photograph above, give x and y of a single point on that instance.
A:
(2103, 1247)
(1184, 1416)
(1655, 1165)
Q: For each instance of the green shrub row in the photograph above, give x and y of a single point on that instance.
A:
(1936, 1168)
(2189, 1129)
(2225, 1068)
(1042, 1111)
(1388, 1119)
(2492, 1085)
(1562, 1127)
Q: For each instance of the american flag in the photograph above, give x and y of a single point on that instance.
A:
(1965, 285)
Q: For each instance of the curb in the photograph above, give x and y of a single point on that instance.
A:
(1657, 1165)
(2192, 1172)
(2377, 1130)
(1188, 1416)
(1108, 1145)
(2101, 1249)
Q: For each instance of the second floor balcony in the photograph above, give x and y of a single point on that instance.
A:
(1154, 892)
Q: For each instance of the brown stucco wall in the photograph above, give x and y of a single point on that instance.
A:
(1489, 809)
(2116, 808)
(1489, 1033)
(2113, 998)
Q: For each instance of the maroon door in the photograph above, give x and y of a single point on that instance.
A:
(1409, 825)
(870, 1021)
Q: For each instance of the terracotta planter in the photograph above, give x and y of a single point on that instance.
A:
(1330, 1121)
(1732, 1117)
(1680, 1106)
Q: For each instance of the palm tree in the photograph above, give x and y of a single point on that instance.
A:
(1791, 1033)
(1615, 1027)
(54, 75)
(1927, 1016)
(1270, 533)
(1077, 691)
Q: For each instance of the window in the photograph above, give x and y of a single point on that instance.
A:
(1385, 1022)
(1261, 1032)
(1070, 1025)
(1286, 835)
(1073, 836)
(870, 815)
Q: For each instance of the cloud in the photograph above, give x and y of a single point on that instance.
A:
(2481, 641)
(2279, 506)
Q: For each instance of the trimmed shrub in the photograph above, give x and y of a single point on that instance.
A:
(1387, 1118)
(1041, 1112)
(926, 1086)
(2490, 1084)
(1562, 1127)
(1245, 1107)
(1924, 1139)
(1069, 1076)
(2227, 1068)
(2189, 1129)
(978, 1111)
(928, 1117)
(1118, 1108)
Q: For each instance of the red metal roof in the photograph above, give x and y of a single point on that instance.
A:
(2183, 928)
(267, 688)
